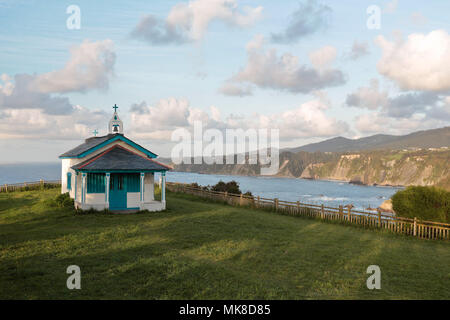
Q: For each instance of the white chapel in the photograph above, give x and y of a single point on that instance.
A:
(112, 172)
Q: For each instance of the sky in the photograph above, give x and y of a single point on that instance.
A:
(314, 69)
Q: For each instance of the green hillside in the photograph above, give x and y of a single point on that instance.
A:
(204, 250)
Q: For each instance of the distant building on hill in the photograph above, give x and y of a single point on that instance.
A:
(112, 172)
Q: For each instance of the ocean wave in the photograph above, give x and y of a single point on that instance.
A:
(325, 198)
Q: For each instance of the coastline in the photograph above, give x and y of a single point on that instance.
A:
(292, 177)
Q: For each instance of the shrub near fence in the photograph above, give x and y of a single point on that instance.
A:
(411, 227)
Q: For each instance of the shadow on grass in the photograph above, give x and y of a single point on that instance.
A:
(8, 202)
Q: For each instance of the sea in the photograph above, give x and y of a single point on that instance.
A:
(331, 193)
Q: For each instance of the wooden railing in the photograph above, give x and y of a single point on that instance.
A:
(411, 227)
(29, 185)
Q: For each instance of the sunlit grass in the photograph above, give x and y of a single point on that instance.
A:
(202, 250)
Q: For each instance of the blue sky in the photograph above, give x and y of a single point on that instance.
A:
(35, 41)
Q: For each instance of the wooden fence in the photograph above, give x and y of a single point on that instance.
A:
(412, 227)
(29, 185)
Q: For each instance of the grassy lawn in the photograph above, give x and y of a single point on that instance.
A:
(204, 250)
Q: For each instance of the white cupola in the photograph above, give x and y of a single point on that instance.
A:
(115, 124)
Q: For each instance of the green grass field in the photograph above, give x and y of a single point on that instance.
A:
(204, 250)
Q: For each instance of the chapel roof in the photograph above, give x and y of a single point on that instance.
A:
(91, 143)
(118, 158)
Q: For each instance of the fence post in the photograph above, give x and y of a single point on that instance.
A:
(322, 212)
(379, 217)
(341, 211)
(257, 202)
(241, 200)
(298, 206)
(349, 215)
(276, 203)
(6, 187)
(415, 226)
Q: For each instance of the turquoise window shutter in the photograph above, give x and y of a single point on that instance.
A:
(133, 182)
(69, 181)
(96, 183)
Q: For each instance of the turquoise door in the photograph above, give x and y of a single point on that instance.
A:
(117, 192)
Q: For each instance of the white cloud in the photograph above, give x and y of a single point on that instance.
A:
(418, 19)
(307, 120)
(216, 115)
(31, 107)
(368, 97)
(166, 114)
(378, 122)
(422, 62)
(400, 113)
(408, 104)
(21, 94)
(359, 49)
(310, 17)
(35, 124)
(323, 57)
(231, 89)
(266, 69)
(189, 21)
(391, 6)
(91, 65)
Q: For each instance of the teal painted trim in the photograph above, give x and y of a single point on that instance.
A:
(118, 137)
(116, 209)
(120, 171)
(69, 181)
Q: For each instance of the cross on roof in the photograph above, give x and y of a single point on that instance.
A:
(95, 132)
(115, 108)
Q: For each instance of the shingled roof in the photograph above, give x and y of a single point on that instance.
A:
(118, 158)
(93, 142)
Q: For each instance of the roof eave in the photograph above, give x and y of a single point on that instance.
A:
(105, 143)
(119, 170)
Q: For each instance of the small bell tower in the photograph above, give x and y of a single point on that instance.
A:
(115, 124)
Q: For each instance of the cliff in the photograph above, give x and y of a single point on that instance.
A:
(425, 167)
(397, 168)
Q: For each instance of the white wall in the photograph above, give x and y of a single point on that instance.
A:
(66, 164)
(95, 198)
(149, 187)
(133, 199)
